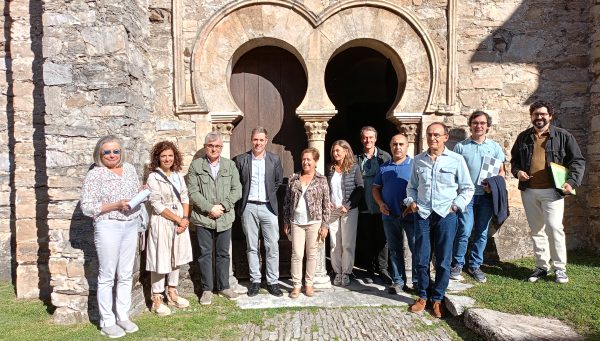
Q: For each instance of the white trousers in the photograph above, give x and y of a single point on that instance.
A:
(342, 234)
(116, 245)
(544, 209)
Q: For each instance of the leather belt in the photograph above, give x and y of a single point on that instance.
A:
(257, 202)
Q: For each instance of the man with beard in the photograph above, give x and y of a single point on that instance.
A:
(544, 204)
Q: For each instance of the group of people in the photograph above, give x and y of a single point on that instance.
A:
(436, 199)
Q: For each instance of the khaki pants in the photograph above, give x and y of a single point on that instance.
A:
(544, 209)
(304, 236)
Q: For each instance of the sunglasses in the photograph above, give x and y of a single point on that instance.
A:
(108, 152)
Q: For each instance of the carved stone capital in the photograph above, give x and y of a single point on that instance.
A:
(410, 130)
(316, 131)
(225, 129)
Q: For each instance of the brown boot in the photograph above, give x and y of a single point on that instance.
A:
(174, 299)
(158, 307)
(437, 309)
(309, 291)
(295, 292)
(418, 306)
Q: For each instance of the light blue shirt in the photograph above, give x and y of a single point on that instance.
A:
(258, 189)
(437, 185)
(473, 154)
(214, 169)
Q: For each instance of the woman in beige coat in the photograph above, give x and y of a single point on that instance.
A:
(168, 244)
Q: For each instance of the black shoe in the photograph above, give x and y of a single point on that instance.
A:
(254, 288)
(274, 290)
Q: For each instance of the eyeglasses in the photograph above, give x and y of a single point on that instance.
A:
(114, 151)
(213, 146)
(397, 144)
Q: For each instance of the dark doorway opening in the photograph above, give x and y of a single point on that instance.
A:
(268, 83)
(363, 85)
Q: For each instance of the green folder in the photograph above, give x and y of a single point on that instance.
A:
(560, 174)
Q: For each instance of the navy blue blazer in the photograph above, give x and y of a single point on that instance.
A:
(273, 175)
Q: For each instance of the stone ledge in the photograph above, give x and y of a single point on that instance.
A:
(494, 325)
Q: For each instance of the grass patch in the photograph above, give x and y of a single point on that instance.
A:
(29, 320)
(577, 303)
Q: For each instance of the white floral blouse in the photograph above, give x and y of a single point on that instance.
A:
(101, 186)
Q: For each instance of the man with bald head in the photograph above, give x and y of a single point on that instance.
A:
(389, 192)
(439, 187)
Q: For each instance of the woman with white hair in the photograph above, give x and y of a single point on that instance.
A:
(107, 190)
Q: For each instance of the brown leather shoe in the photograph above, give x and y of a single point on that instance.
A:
(418, 306)
(309, 291)
(437, 309)
(295, 293)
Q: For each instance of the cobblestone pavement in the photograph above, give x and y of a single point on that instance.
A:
(359, 323)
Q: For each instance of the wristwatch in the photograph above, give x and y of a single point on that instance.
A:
(454, 208)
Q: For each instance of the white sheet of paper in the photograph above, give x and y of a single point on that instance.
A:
(141, 196)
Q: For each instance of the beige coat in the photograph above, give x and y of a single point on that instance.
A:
(165, 248)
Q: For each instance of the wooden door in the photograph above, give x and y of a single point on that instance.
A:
(268, 83)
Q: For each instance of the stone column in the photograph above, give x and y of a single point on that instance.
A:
(411, 131)
(225, 129)
(316, 132)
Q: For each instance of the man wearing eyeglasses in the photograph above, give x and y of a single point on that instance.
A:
(475, 219)
(261, 175)
(389, 192)
(214, 188)
(439, 187)
(544, 204)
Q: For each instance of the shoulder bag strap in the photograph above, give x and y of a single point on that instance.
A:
(167, 180)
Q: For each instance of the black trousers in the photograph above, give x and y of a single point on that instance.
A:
(210, 241)
(374, 247)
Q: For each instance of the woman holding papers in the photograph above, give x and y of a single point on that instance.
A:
(168, 244)
(105, 196)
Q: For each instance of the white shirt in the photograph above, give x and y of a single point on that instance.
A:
(337, 195)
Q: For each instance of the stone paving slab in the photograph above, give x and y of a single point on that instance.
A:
(387, 323)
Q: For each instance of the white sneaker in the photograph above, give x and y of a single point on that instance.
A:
(560, 276)
(337, 280)
(345, 280)
(128, 326)
(113, 332)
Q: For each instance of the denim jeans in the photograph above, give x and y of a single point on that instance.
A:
(473, 222)
(394, 234)
(441, 232)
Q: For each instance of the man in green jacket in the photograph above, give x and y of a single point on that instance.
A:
(214, 187)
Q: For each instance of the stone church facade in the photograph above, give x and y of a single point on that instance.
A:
(309, 70)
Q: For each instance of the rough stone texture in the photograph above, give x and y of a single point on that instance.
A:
(78, 70)
(390, 323)
(457, 305)
(493, 325)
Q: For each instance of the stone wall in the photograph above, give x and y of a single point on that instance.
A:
(98, 81)
(511, 53)
(76, 70)
(593, 155)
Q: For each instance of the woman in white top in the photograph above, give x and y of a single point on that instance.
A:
(346, 187)
(305, 217)
(168, 244)
(105, 196)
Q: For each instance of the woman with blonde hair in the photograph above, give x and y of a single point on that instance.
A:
(346, 188)
(168, 244)
(107, 189)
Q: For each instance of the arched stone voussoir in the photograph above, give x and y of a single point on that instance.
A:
(235, 31)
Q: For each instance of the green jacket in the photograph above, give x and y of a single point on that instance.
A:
(205, 192)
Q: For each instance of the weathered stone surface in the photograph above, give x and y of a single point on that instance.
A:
(457, 305)
(493, 325)
(57, 74)
(104, 40)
